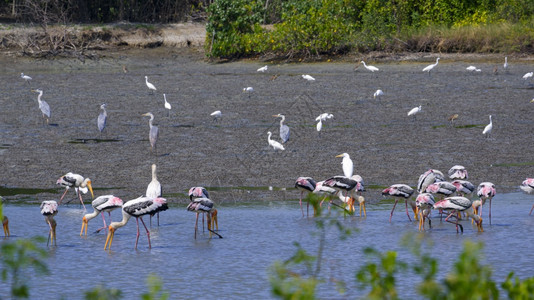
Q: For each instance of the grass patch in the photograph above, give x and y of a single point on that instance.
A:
(523, 164)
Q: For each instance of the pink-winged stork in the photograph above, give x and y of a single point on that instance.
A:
(305, 184)
(343, 183)
(350, 203)
(204, 206)
(398, 191)
(458, 172)
(78, 182)
(443, 188)
(100, 205)
(49, 210)
(320, 188)
(424, 202)
(136, 208)
(457, 204)
(485, 191)
(528, 187)
(427, 178)
(463, 187)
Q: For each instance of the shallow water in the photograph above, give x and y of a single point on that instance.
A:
(255, 236)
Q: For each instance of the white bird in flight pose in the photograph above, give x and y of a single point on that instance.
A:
(308, 77)
(430, 67)
(370, 68)
(276, 145)
(149, 85)
(472, 68)
(488, 128)
(414, 111)
(262, 69)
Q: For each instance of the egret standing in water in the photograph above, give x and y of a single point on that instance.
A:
(25, 77)
(430, 67)
(150, 86)
(102, 118)
(43, 106)
(154, 131)
(167, 105)
(370, 68)
(284, 129)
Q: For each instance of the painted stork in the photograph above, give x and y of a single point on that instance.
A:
(428, 178)
(463, 187)
(49, 210)
(348, 166)
(320, 188)
(443, 188)
(305, 184)
(342, 183)
(430, 67)
(76, 181)
(528, 187)
(198, 192)
(457, 204)
(154, 189)
(276, 145)
(370, 68)
(398, 191)
(458, 172)
(136, 208)
(485, 191)
(204, 206)
(349, 202)
(43, 106)
(101, 204)
(153, 133)
(284, 129)
(424, 202)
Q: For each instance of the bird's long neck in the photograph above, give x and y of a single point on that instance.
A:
(269, 136)
(125, 218)
(105, 112)
(154, 175)
(40, 95)
(150, 121)
(282, 120)
(92, 215)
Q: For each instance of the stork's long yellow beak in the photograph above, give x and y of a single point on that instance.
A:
(109, 239)
(479, 226)
(90, 189)
(84, 225)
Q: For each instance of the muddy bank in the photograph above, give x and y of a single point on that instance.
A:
(231, 156)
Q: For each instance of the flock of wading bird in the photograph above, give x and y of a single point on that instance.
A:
(431, 184)
(434, 192)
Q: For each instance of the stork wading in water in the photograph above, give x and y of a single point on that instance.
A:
(427, 178)
(203, 206)
(455, 205)
(136, 208)
(463, 187)
(527, 186)
(149, 85)
(443, 188)
(202, 192)
(343, 183)
(458, 172)
(349, 203)
(370, 68)
(78, 182)
(153, 133)
(320, 188)
(5, 225)
(153, 189)
(398, 191)
(305, 184)
(100, 205)
(43, 106)
(431, 67)
(424, 203)
(102, 118)
(284, 129)
(49, 210)
(485, 191)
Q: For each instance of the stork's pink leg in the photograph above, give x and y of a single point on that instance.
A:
(62, 196)
(81, 200)
(490, 210)
(104, 221)
(196, 226)
(137, 238)
(407, 213)
(147, 233)
(392, 210)
(453, 214)
(530, 213)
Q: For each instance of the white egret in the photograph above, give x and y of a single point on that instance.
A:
(324, 116)
(248, 89)
(348, 166)
(378, 93)
(528, 75)
(102, 118)
(284, 129)
(167, 105)
(370, 68)
(43, 106)
(488, 128)
(149, 85)
(414, 111)
(153, 133)
(505, 62)
(472, 69)
(262, 69)
(308, 77)
(276, 145)
(25, 77)
(216, 115)
(430, 67)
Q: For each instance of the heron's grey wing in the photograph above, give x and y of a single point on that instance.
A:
(284, 133)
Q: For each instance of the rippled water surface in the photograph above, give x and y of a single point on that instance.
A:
(255, 236)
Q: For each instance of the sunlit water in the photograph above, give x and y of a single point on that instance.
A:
(255, 236)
